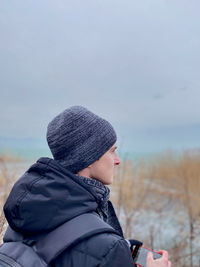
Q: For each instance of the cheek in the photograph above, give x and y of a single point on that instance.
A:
(108, 162)
(104, 165)
(109, 167)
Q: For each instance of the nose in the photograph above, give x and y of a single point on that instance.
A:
(116, 160)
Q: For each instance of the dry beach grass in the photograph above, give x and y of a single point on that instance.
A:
(9, 170)
(158, 202)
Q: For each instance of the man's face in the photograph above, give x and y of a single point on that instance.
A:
(103, 169)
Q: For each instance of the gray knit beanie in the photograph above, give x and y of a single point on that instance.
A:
(77, 138)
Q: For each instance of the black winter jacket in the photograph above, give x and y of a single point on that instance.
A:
(48, 195)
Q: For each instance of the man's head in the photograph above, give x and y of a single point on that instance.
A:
(103, 169)
(78, 138)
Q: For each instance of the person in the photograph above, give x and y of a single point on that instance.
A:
(74, 182)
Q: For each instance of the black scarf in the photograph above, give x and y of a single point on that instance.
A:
(105, 208)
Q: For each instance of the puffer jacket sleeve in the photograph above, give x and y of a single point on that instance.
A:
(119, 255)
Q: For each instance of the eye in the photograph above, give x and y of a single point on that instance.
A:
(113, 150)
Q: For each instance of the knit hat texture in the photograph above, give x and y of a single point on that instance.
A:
(77, 137)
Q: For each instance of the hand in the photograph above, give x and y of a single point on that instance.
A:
(161, 262)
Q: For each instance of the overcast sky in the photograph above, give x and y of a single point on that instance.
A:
(134, 62)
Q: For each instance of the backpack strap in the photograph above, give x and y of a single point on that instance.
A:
(70, 233)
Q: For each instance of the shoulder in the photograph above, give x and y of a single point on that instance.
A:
(100, 250)
(100, 244)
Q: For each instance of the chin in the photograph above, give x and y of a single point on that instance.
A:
(108, 182)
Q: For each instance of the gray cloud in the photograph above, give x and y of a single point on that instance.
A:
(115, 57)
